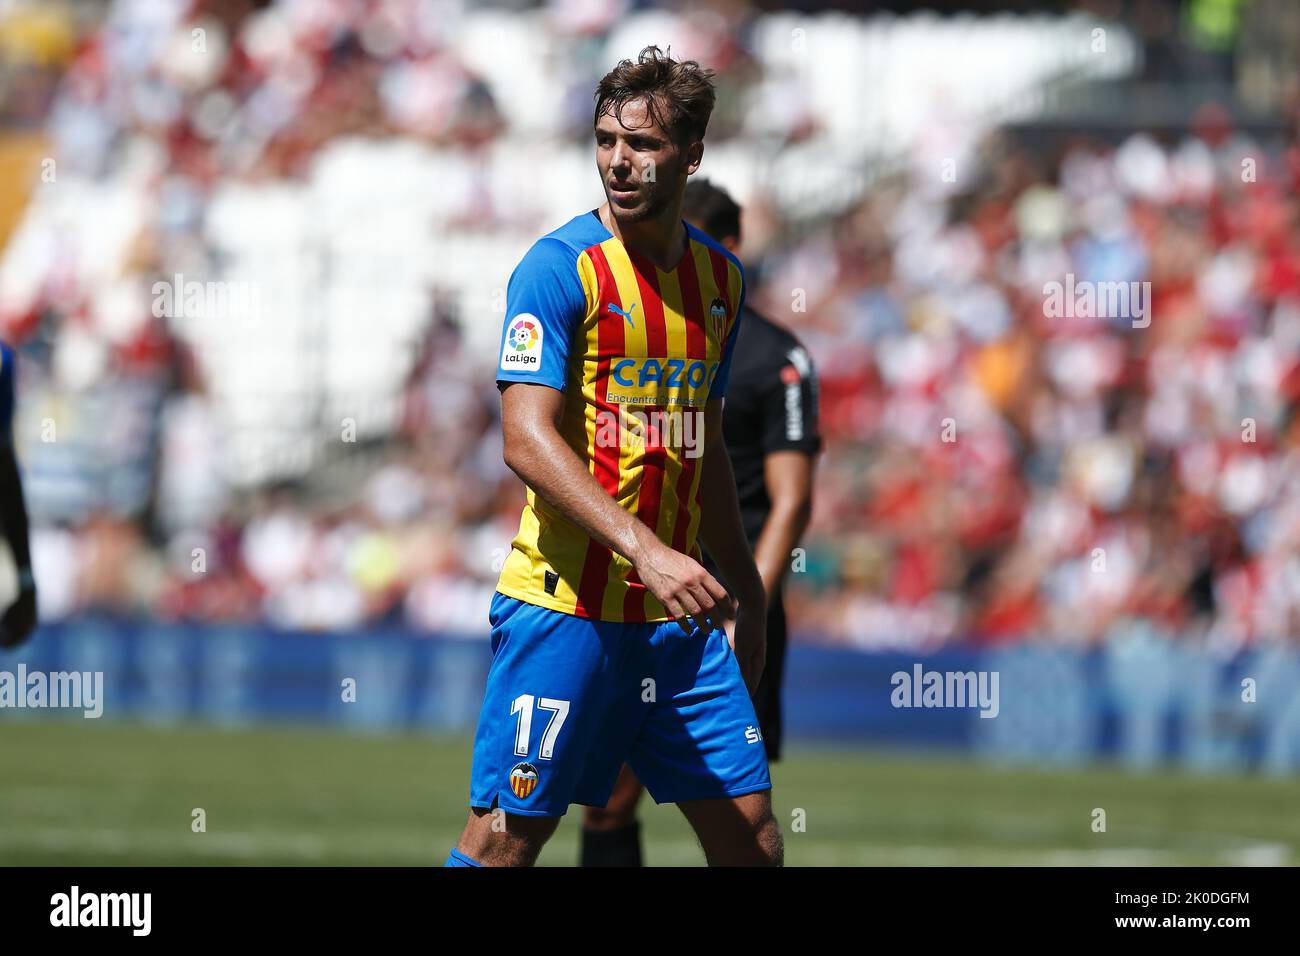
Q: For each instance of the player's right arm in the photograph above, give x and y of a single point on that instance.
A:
(546, 303)
(538, 454)
(19, 619)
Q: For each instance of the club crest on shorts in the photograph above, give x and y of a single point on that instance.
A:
(718, 317)
(523, 780)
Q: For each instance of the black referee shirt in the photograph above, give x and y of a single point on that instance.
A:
(771, 406)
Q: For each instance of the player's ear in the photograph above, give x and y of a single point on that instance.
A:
(694, 156)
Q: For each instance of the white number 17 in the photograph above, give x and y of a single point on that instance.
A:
(523, 706)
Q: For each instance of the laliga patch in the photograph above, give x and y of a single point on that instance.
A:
(522, 351)
(523, 780)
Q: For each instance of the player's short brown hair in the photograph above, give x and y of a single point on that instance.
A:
(678, 93)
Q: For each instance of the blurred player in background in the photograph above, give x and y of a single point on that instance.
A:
(607, 636)
(19, 618)
(770, 424)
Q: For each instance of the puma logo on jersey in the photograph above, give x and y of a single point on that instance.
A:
(627, 315)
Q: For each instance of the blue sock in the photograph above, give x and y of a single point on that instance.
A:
(460, 859)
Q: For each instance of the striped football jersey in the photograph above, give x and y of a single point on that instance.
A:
(637, 352)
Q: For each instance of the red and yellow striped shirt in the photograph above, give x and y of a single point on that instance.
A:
(638, 352)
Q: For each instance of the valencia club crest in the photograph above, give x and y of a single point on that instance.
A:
(523, 780)
(718, 318)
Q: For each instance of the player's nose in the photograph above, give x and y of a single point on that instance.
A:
(620, 159)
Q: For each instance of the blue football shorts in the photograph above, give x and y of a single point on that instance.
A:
(569, 700)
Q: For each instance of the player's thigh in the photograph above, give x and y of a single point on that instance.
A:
(737, 831)
(546, 711)
(700, 740)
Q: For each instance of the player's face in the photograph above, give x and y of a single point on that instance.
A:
(641, 168)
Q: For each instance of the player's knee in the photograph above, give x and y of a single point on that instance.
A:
(497, 838)
(739, 832)
(766, 844)
(760, 844)
(769, 840)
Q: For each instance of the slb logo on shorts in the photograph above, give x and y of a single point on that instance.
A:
(523, 780)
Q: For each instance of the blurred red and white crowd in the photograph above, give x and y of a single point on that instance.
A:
(993, 471)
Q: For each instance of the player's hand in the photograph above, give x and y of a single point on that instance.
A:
(747, 633)
(20, 620)
(691, 594)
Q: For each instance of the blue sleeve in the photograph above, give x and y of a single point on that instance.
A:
(6, 396)
(545, 304)
(719, 387)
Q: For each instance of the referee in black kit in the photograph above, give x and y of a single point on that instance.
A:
(769, 421)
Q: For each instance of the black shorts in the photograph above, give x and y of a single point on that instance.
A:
(767, 699)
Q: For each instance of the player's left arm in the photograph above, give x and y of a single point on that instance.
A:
(723, 535)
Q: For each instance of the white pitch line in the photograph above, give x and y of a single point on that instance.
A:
(125, 842)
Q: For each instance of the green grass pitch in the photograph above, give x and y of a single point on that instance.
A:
(89, 793)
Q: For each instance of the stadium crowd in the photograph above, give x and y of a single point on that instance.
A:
(993, 472)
